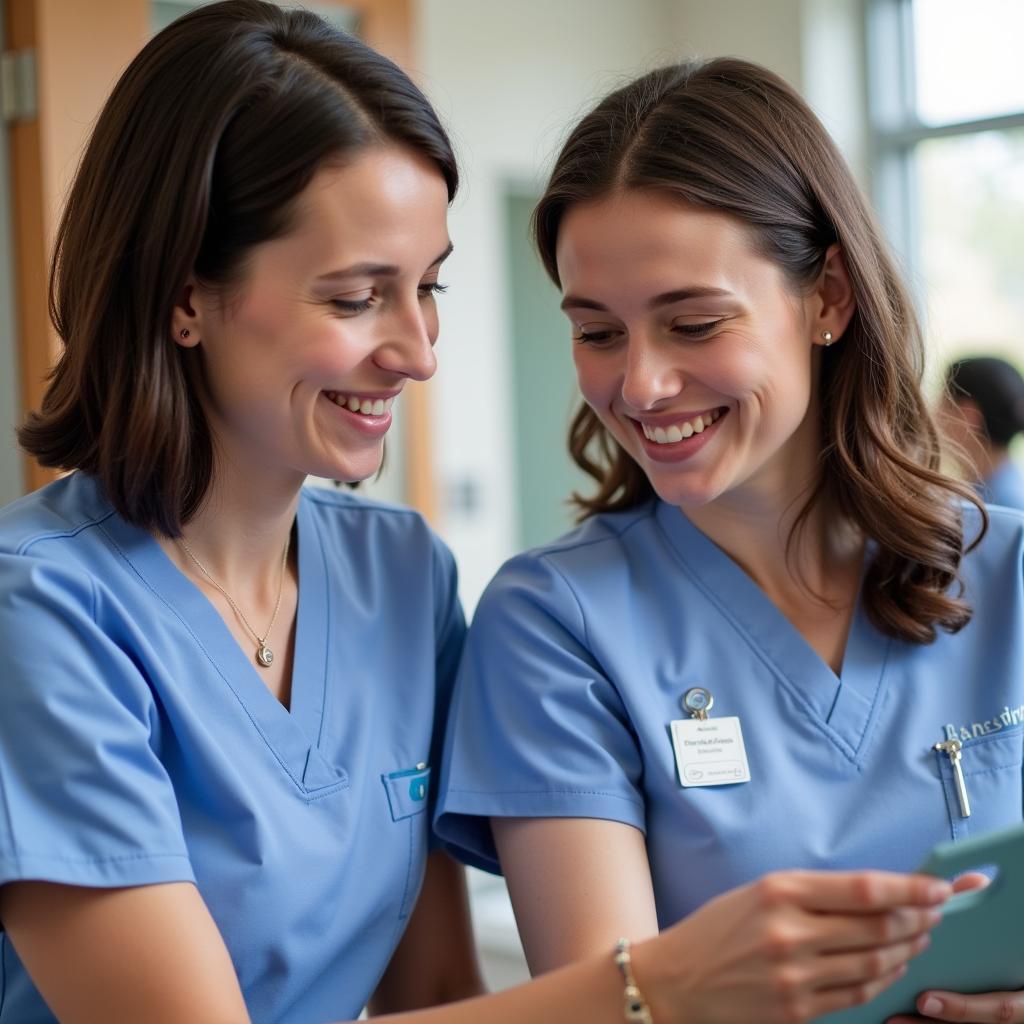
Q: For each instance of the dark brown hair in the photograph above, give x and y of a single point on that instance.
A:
(199, 154)
(731, 136)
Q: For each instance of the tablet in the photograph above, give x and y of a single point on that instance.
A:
(978, 946)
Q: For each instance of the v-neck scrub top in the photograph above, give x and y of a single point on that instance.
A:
(579, 655)
(139, 745)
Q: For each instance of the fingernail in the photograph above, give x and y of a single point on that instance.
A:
(931, 1005)
(934, 917)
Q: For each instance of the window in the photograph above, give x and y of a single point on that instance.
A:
(947, 112)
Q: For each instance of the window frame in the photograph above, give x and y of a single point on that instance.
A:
(895, 130)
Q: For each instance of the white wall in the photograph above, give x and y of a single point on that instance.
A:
(507, 79)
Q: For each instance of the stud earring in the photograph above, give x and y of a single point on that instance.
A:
(185, 332)
(826, 336)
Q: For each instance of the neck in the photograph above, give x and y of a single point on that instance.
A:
(239, 533)
(754, 524)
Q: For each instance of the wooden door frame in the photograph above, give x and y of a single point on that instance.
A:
(80, 50)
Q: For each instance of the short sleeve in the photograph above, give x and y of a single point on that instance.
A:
(536, 728)
(84, 798)
(450, 632)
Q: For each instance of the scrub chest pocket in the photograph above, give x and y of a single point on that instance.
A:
(407, 793)
(992, 780)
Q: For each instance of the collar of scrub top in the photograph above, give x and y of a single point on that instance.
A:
(842, 707)
(293, 734)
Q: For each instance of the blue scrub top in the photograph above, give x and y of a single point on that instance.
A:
(1005, 486)
(138, 743)
(580, 653)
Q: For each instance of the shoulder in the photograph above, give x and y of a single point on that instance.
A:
(999, 554)
(386, 534)
(597, 558)
(48, 543)
(60, 512)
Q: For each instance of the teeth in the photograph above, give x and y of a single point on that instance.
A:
(364, 406)
(677, 432)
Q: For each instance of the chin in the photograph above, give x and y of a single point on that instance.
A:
(690, 494)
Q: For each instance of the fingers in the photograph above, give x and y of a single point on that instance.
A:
(834, 933)
(845, 969)
(834, 1000)
(853, 891)
(970, 881)
(990, 1008)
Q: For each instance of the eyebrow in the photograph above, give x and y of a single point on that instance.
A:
(378, 269)
(664, 299)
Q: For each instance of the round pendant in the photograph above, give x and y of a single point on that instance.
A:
(265, 656)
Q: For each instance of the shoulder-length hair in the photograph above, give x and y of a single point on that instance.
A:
(198, 155)
(731, 136)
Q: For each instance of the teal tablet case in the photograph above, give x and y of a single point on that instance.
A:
(978, 946)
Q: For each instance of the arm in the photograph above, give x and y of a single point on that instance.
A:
(149, 953)
(786, 949)
(423, 970)
(594, 888)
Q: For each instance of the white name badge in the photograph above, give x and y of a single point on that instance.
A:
(710, 752)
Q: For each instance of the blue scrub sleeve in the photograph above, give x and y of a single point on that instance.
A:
(84, 799)
(536, 728)
(450, 631)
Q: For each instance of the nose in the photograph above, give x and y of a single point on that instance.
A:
(408, 346)
(651, 373)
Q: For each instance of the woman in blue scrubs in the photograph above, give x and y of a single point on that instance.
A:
(780, 637)
(982, 413)
(221, 696)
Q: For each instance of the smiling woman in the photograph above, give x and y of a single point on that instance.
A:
(770, 536)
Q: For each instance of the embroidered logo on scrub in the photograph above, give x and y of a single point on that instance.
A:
(1004, 720)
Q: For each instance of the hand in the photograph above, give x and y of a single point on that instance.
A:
(790, 947)
(997, 1007)
(994, 1007)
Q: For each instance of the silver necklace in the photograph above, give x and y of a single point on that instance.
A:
(264, 655)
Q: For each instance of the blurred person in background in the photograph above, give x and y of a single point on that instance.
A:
(982, 412)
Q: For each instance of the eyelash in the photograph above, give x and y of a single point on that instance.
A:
(697, 330)
(425, 290)
(689, 330)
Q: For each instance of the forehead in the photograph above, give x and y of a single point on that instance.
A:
(387, 204)
(640, 233)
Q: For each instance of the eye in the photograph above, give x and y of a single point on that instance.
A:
(352, 305)
(429, 288)
(696, 330)
(595, 335)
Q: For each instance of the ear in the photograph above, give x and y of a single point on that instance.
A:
(185, 329)
(833, 298)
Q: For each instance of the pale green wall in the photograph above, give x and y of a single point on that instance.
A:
(544, 385)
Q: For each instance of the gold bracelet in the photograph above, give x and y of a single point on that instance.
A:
(636, 1009)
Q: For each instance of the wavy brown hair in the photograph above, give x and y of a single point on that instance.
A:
(209, 137)
(731, 136)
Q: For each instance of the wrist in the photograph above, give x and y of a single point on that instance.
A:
(654, 981)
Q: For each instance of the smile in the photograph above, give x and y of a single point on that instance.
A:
(363, 406)
(682, 429)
